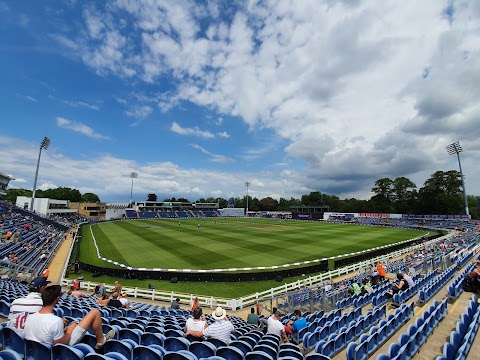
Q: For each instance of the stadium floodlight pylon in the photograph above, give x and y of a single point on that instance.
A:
(247, 184)
(455, 148)
(133, 175)
(43, 145)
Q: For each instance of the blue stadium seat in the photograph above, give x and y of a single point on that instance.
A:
(204, 349)
(315, 356)
(258, 355)
(141, 352)
(229, 353)
(244, 346)
(13, 340)
(176, 344)
(37, 351)
(179, 355)
(148, 338)
(66, 352)
(123, 347)
(10, 355)
(291, 353)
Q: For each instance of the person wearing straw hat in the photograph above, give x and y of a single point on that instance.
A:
(220, 329)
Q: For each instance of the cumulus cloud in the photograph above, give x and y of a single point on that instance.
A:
(79, 128)
(178, 129)
(357, 90)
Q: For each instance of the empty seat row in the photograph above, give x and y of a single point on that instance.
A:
(369, 343)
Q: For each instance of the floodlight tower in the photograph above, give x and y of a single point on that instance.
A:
(247, 184)
(133, 175)
(455, 148)
(43, 145)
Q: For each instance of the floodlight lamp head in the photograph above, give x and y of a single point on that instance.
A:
(45, 143)
(454, 148)
(133, 175)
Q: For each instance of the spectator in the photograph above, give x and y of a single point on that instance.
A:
(355, 289)
(117, 288)
(21, 308)
(197, 323)
(123, 299)
(382, 272)
(46, 273)
(298, 324)
(401, 284)
(276, 327)
(470, 282)
(220, 329)
(76, 265)
(175, 304)
(408, 279)
(289, 330)
(48, 329)
(113, 302)
(252, 318)
(195, 303)
(100, 291)
(367, 287)
(264, 321)
(75, 293)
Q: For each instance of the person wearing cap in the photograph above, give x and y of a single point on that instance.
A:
(23, 307)
(48, 329)
(220, 329)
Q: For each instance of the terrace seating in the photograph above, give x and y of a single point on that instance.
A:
(462, 338)
(409, 343)
(370, 342)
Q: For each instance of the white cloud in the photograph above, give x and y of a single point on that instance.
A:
(28, 97)
(222, 159)
(76, 104)
(178, 129)
(223, 135)
(343, 83)
(79, 128)
(139, 111)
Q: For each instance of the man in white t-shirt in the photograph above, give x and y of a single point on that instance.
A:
(276, 327)
(48, 329)
(22, 307)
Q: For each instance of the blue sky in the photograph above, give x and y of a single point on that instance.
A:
(199, 97)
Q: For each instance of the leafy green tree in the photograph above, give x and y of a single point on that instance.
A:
(90, 198)
(183, 200)
(13, 193)
(60, 193)
(441, 194)
(404, 195)
(268, 204)
(254, 204)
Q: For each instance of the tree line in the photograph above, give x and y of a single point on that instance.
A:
(60, 193)
(441, 194)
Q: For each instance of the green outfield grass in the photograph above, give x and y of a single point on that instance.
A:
(228, 243)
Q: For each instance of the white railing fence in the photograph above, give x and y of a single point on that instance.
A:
(244, 301)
